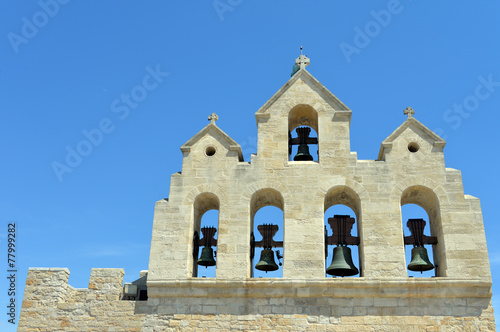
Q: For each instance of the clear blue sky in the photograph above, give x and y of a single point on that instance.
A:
(66, 68)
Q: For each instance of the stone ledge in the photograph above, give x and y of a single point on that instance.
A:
(336, 288)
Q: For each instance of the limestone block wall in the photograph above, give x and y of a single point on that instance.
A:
(50, 304)
(410, 169)
(374, 189)
(351, 304)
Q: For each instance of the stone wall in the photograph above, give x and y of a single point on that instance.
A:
(410, 169)
(50, 304)
(349, 304)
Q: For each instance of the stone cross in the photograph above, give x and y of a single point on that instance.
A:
(409, 111)
(213, 117)
(302, 61)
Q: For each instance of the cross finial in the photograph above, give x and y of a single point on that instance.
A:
(213, 117)
(302, 61)
(409, 112)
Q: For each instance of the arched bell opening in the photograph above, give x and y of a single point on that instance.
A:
(342, 229)
(421, 221)
(303, 133)
(341, 226)
(206, 225)
(266, 240)
(419, 262)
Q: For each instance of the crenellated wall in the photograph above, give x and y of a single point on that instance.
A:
(50, 304)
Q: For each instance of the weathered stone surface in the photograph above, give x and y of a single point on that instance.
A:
(410, 169)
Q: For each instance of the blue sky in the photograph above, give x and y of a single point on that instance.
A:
(68, 70)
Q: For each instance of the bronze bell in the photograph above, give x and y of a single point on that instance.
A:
(342, 264)
(206, 257)
(266, 262)
(303, 153)
(420, 260)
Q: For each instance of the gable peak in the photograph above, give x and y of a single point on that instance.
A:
(410, 121)
(210, 129)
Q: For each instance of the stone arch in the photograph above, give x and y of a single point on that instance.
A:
(191, 196)
(423, 197)
(252, 189)
(303, 115)
(265, 197)
(345, 196)
(426, 198)
(425, 193)
(414, 181)
(317, 103)
(202, 203)
(260, 199)
(354, 195)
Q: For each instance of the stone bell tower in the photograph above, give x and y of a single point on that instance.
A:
(380, 295)
(410, 169)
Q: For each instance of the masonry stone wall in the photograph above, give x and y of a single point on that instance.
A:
(374, 189)
(410, 169)
(50, 304)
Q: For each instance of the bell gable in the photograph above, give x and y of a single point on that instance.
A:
(209, 147)
(413, 141)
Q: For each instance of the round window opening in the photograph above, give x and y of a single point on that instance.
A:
(413, 147)
(210, 151)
